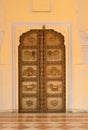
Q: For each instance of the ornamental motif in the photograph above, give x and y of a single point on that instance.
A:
(29, 55)
(29, 71)
(53, 55)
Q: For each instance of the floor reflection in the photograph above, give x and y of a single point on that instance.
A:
(26, 121)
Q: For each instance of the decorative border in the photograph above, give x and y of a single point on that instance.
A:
(70, 58)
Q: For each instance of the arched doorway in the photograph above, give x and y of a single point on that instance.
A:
(42, 71)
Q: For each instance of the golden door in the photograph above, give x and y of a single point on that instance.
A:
(42, 71)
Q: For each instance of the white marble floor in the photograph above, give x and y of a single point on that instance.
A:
(27, 121)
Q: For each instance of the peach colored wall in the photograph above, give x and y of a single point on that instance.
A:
(21, 11)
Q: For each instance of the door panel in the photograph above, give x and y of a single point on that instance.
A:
(54, 71)
(29, 72)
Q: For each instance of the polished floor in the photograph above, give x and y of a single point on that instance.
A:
(26, 121)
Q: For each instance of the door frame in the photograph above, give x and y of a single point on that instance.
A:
(70, 92)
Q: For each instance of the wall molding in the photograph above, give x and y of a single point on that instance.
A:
(43, 9)
(39, 11)
(79, 8)
(8, 111)
(83, 35)
(1, 36)
(70, 57)
(4, 68)
(82, 85)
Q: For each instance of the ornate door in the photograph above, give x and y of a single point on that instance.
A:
(41, 71)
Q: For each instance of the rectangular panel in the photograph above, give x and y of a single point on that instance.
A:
(29, 71)
(29, 103)
(41, 5)
(54, 71)
(54, 104)
(54, 55)
(5, 90)
(54, 87)
(29, 87)
(81, 81)
(29, 55)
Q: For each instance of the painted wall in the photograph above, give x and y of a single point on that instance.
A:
(20, 16)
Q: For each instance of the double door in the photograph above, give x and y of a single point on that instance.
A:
(41, 71)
